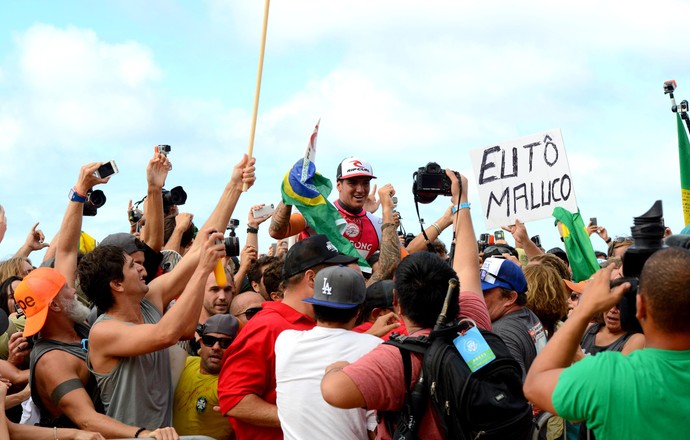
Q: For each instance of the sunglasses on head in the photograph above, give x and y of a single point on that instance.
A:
(250, 312)
(210, 341)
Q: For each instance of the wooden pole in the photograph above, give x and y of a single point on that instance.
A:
(252, 132)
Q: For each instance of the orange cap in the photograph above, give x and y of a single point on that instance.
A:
(576, 287)
(35, 293)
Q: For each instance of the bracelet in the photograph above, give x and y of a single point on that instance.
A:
(608, 241)
(251, 230)
(55, 432)
(139, 431)
(74, 196)
(437, 228)
(385, 225)
(463, 205)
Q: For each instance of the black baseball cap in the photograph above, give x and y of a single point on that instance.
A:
(380, 294)
(311, 252)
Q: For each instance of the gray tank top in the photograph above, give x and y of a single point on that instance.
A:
(138, 391)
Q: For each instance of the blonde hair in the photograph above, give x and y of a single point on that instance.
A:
(13, 266)
(547, 296)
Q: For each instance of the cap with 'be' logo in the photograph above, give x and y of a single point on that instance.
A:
(34, 295)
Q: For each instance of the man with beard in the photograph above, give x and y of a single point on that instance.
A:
(197, 389)
(61, 385)
(216, 301)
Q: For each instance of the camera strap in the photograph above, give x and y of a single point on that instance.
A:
(429, 246)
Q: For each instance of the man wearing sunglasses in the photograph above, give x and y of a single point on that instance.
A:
(245, 305)
(197, 389)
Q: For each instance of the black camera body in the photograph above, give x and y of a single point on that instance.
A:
(94, 200)
(669, 86)
(176, 196)
(232, 243)
(648, 234)
(135, 216)
(430, 182)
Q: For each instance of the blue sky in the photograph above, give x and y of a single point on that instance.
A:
(397, 83)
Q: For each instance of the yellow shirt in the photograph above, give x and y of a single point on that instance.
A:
(195, 396)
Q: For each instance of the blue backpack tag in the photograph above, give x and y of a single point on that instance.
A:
(474, 349)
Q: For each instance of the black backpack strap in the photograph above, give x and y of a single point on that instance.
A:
(403, 425)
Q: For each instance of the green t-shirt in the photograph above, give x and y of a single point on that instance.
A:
(644, 395)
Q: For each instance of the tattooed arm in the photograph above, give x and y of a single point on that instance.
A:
(390, 244)
(280, 222)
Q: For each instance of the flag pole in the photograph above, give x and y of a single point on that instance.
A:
(252, 132)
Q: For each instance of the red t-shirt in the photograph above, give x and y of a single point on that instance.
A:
(365, 326)
(379, 374)
(249, 364)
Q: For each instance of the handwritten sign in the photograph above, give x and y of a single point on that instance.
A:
(523, 178)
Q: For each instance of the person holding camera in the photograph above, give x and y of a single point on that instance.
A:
(376, 380)
(624, 397)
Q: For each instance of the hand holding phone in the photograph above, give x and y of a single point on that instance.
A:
(266, 210)
(106, 170)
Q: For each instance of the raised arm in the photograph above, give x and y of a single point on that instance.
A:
(433, 232)
(519, 233)
(280, 222)
(253, 224)
(558, 354)
(166, 287)
(183, 221)
(3, 223)
(390, 245)
(156, 173)
(466, 258)
(68, 245)
(34, 242)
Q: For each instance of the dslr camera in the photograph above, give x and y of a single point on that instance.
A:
(176, 196)
(431, 181)
(94, 200)
(648, 234)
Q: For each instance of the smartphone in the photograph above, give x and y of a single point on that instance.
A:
(536, 240)
(266, 210)
(499, 235)
(107, 169)
(593, 221)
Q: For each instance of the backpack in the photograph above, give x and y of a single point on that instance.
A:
(487, 404)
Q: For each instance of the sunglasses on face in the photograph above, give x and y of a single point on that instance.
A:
(250, 312)
(210, 341)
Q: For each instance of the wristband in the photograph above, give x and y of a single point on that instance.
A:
(251, 230)
(74, 196)
(608, 241)
(463, 205)
(139, 431)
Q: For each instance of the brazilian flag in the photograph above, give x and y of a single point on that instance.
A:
(306, 189)
(684, 156)
(583, 261)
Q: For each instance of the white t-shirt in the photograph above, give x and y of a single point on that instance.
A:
(301, 360)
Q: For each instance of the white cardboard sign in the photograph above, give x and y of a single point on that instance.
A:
(523, 178)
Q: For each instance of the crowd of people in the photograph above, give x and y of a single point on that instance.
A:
(160, 333)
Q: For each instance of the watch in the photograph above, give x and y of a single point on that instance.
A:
(74, 196)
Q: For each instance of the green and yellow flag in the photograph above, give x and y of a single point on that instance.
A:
(684, 156)
(583, 260)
